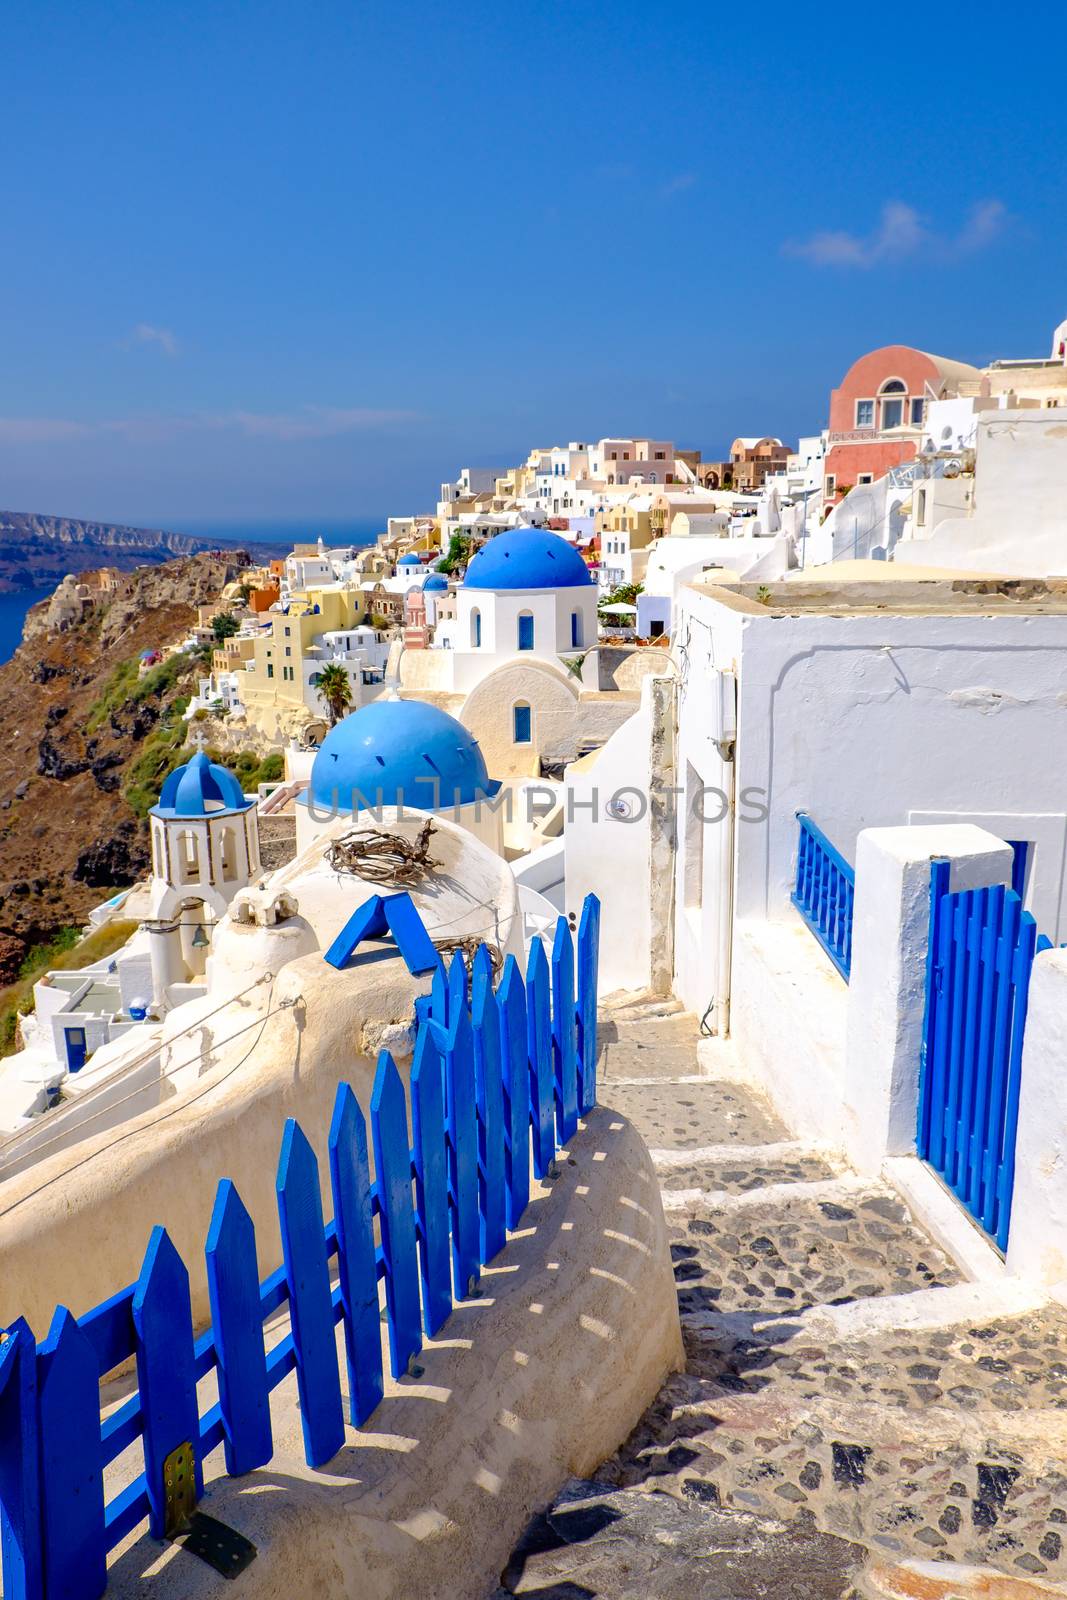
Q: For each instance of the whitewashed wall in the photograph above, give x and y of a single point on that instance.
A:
(868, 721)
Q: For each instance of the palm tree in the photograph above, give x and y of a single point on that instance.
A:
(335, 691)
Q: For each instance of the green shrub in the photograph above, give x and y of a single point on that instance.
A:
(65, 950)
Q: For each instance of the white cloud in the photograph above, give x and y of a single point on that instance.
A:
(310, 422)
(41, 430)
(162, 338)
(678, 184)
(902, 234)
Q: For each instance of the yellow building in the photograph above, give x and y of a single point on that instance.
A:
(277, 691)
(632, 517)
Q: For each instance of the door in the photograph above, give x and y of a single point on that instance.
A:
(75, 1039)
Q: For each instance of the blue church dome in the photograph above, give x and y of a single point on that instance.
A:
(436, 582)
(410, 560)
(527, 558)
(393, 752)
(200, 788)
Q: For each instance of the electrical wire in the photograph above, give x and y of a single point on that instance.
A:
(138, 1061)
(182, 1105)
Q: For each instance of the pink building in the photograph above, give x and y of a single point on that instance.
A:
(876, 415)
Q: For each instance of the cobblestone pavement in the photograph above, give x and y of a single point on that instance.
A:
(813, 1432)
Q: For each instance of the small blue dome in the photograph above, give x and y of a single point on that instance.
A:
(198, 789)
(527, 558)
(398, 752)
(436, 582)
(410, 560)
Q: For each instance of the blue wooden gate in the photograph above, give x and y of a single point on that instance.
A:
(982, 947)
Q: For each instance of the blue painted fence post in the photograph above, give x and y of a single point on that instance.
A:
(72, 1484)
(490, 1093)
(515, 1072)
(481, 974)
(1021, 969)
(392, 1161)
(459, 1064)
(20, 1506)
(237, 1326)
(166, 1379)
(539, 1049)
(431, 1176)
(357, 1268)
(310, 1301)
(565, 1059)
(588, 974)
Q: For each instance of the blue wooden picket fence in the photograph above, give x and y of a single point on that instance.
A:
(499, 1080)
(981, 951)
(823, 893)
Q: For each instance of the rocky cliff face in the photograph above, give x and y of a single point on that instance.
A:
(82, 739)
(36, 549)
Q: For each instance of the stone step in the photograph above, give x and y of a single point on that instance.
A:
(740, 1169)
(775, 1256)
(639, 1006)
(675, 1117)
(949, 1444)
(597, 1540)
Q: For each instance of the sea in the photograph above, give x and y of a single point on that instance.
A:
(13, 609)
(279, 535)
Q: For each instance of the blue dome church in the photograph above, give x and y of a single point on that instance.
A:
(403, 753)
(528, 593)
(205, 847)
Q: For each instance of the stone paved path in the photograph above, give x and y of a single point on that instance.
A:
(827, 1424)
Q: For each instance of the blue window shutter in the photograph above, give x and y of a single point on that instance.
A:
(522, 725)
(526, 631)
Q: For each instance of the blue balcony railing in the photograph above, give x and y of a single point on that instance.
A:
(823, 893)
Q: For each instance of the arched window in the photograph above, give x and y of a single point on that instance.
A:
(189, 856)
(157, 852)
(892, 394)
(576, 630)
(228, 854)
(526, 630)
(476, 629)
(521, 723)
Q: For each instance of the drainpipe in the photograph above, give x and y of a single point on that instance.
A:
(727, 748)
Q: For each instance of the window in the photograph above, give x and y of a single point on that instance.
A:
(526, 630)
(521, 723)
(228, 855)
(917, 406)
(288, 650)
(189, 856)
(831, 483)
(655, 628)
(893, 408)
(865, 477)
(576, 630)
(865, 413)
(270, 670)
(476, 630)
(661, 455)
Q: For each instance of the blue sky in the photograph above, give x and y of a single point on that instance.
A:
(282, 261)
